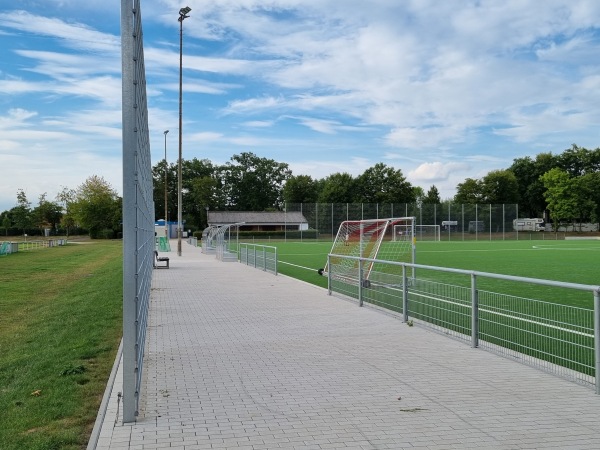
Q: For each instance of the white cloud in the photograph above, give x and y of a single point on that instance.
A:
(436, 171)
(424, 138)
(253, 105)
(259, 123)
(75, 35)
(205, 137)
(323, 85)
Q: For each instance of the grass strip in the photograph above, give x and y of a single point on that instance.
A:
(60, 326)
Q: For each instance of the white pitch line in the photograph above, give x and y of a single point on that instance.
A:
(581, 333)
(296, 265)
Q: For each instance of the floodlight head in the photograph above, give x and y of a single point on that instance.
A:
(183, 13)
(166, 131)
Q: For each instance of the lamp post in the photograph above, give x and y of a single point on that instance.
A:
(166, 210)
(182, 16)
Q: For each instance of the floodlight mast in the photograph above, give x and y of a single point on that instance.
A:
(166, 222)
(183, 14)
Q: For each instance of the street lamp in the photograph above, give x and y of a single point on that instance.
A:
(166, 221)
(183, 14)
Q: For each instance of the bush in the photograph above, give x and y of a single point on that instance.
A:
(106, 233)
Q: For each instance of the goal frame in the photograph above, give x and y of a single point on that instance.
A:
(356, 238)
(420, 230)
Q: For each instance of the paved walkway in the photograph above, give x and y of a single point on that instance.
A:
(238, 358)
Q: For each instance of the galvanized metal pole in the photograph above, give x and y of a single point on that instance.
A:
(404, 294)
(474, 312)
(597, 338)
(328, 274)
(360, 282)
(179, 182)
(182, 15)
(166, 210)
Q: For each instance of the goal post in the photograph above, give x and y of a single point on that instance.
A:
(421, 232)
(373, 239)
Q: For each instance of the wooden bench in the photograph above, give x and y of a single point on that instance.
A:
(160, 259)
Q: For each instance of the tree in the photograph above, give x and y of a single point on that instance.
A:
(251, 183)
(97, 207)
(578, 161)
(66, 197)
(200, 189)
(559, 194)
(158, 194)
(592, 185)
(202, 194)
(531, 189)
(383, 184)
(21, 214)
(469, 192)
(6, 222)
(500, 186)
(337, 188)
(432, 197)
(47, 214)
(300, 189)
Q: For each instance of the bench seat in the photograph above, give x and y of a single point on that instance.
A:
(160, 259)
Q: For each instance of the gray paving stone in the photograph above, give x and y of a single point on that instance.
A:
(237, 358)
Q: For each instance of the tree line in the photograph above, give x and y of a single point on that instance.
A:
(93, 207)
(565, 186)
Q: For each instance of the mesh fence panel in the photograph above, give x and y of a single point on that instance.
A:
(457, 222)
(138, 206)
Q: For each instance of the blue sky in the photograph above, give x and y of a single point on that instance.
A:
(443, 90)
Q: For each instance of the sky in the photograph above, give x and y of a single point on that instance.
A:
(442, 90)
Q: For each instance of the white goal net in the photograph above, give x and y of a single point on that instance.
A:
(421, 232)
(389, 239)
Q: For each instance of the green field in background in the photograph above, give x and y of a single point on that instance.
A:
(574, 261)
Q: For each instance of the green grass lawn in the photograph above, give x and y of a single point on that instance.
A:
(569, 261)
(60, 326)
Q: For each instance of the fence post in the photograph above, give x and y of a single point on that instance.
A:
(597, 338)
(264, 259)
(474, 312)
(360, 282)
(254, 248)
(404, 294)
(328, 274)
(275, 260)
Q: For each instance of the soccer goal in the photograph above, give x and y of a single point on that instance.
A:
(391, 239)
(421, 232)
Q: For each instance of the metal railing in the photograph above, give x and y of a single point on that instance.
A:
(259, 256)
(551, 325)
(23, 246)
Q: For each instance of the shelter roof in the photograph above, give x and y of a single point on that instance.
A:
(255, 217)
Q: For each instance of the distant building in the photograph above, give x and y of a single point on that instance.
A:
(159, 228)
(259, 221)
